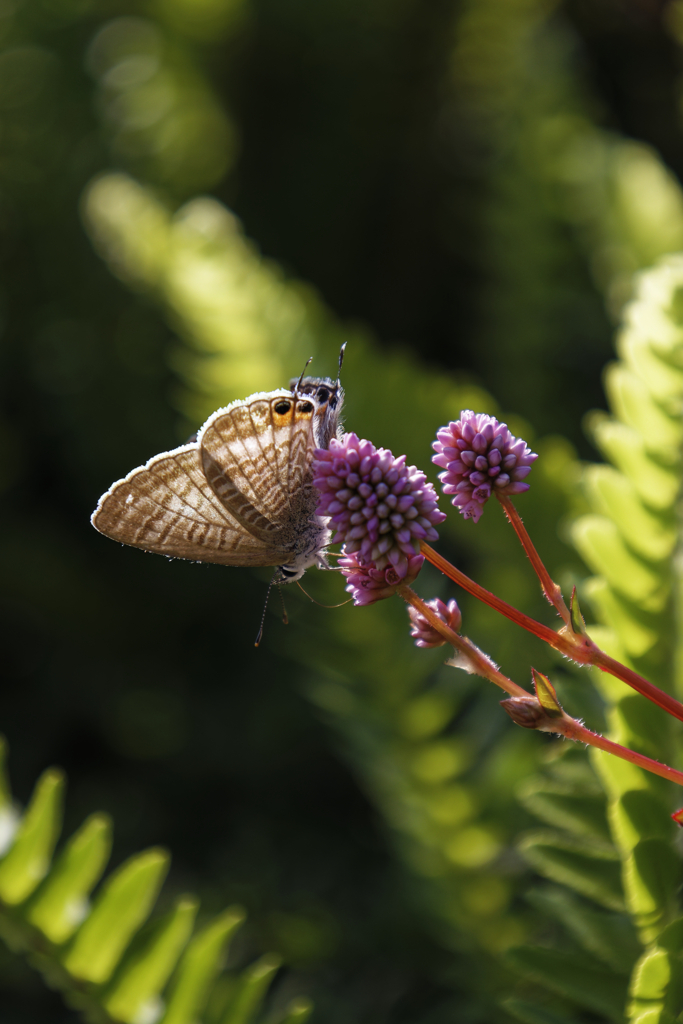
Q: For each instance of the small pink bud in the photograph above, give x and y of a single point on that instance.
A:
(525, 711)
(426, 635)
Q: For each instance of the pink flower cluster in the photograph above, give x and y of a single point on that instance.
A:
(480, 458)
(380, 508)
(422, 630)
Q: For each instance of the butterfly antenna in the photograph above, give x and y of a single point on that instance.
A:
(259, 635)
(285, 620)
(308, 363)
(342, 350)
(341, 605)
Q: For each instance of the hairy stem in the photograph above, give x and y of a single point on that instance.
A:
(578, 647)
(550, 588)
(481, 665)
(573, 730)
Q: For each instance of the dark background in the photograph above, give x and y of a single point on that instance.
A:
(374, 163)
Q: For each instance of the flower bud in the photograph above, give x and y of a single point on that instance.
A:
(422, 631)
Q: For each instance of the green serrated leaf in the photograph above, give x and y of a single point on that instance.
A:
(656, 485)
(635, 629)
(60, 904)
(28, 860)
(663, 380)
(149, 962)
(612, 494)
(574, 976)
(251, 990)
(634, 405)
(124, 902)
(199, 967)
(603, 549)
(590, 871)
(609, 937)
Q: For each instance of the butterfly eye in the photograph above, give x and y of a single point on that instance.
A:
(282, 407)
(305, 407)
(323, 394)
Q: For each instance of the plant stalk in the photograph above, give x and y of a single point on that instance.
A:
(580, 648)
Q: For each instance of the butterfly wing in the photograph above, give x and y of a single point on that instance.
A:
(256, 456)
(168, 507)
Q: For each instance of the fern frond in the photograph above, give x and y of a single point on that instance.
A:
(107, 962)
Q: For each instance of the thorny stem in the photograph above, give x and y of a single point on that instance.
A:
(562, 724)
(578, 647)
(550, 588)
(479, 662)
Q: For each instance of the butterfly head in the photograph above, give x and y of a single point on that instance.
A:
(327, 396)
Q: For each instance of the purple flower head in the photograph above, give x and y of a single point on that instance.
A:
(380, 508)
(422, 630)
(481, 458)
(368, 584)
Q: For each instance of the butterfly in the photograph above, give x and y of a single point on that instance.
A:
(242, 492)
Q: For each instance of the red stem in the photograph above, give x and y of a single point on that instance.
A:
(573, 730)
(550, 588)
(573, 645)
(480, 663)
(525, 621)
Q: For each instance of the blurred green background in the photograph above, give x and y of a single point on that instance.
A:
(461, 189)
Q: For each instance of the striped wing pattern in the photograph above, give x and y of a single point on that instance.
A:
(257, 461)
(168, 506)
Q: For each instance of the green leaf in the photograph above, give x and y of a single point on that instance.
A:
(199, 967)
(577, 619)
(613, 495)
(618, 776)
(60, 904)
(251, 990)
(652, 874)
(651, 977)
(603, 549)
(671, 937)
(637, 631)
(583, 814)
(591, 871)
(663, 381)
(28, 860)
(149, 962)
(574, 976)
(639, 814)
(546, 695)
(656, 485)
(634, 405)
(120, 908)
(610, 937)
